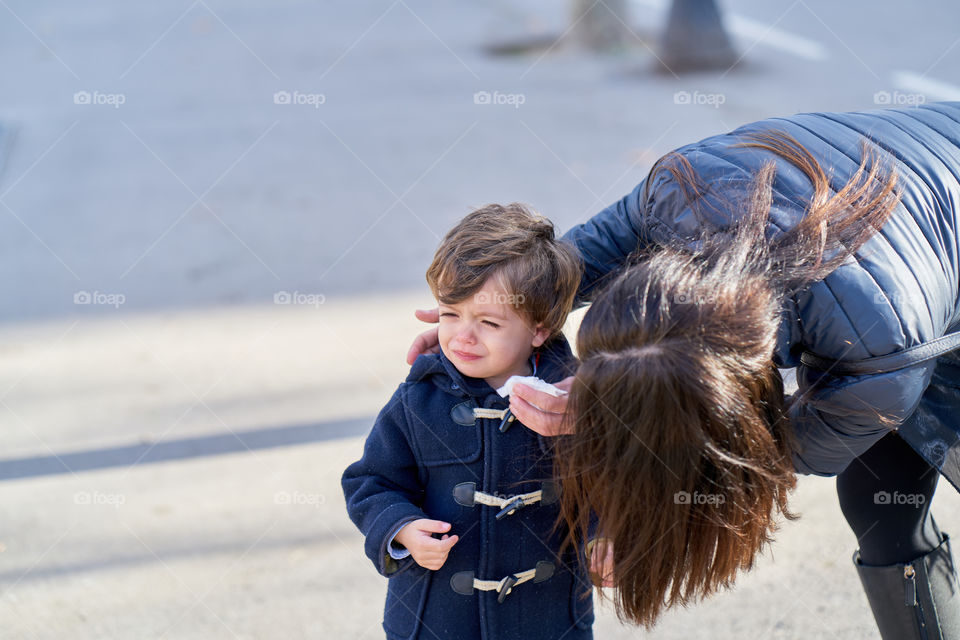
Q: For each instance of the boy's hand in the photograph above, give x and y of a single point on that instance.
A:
(601, 563)
(539, 411)
(427, 551)
(428, 341)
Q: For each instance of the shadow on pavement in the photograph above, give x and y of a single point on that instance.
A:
(212, 445)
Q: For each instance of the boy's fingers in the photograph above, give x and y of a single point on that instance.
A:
(434, 526)
(442, 545)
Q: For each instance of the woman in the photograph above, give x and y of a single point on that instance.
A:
(790, 242)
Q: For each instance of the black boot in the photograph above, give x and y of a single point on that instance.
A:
(918, 600)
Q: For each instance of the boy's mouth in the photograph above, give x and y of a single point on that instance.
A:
(465, 356)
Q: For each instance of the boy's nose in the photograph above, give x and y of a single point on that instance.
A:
(466, 335)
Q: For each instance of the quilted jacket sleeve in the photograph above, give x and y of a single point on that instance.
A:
(839, 420)
(382, 489)
(606, 240)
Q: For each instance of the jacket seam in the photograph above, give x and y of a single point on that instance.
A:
(879, 232)
(846, 316)
(893, 153)
(743, 169)
(923, 184)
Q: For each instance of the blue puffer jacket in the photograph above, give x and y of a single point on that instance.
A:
(900, 291)
(424, 444)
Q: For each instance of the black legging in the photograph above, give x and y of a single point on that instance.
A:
(885, 496)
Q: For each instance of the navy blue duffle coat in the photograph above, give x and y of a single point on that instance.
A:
(426, 442)
(899, 290)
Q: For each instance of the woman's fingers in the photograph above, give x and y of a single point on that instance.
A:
(546, 424)
(426, 342)
(601, 562)
(540, 411)
(540, 399)
(428, 315)
(608, 567)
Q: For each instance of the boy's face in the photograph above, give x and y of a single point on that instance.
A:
(485, 338)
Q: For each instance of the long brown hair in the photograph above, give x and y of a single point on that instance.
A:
(681, 446)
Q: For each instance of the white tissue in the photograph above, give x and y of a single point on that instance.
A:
(533, 382)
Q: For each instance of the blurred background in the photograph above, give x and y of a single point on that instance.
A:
(214, 222)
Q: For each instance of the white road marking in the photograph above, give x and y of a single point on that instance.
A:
(932, 89)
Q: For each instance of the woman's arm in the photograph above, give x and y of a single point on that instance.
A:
(841, 420)
(606, 240)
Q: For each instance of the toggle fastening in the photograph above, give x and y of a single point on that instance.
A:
(506, 418)
(467, 495)
(464, 583)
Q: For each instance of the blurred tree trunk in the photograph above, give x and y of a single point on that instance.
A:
(695, 39)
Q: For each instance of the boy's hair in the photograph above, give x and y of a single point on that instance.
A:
(539, 272)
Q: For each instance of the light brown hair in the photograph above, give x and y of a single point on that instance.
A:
(681, 445)
(519, 247)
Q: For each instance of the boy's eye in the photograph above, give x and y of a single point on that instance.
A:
(447, 314)
(492, 324)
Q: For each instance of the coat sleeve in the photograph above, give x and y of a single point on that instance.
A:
(658, 212)
(605, 241)
(837, 419)
(383, 489)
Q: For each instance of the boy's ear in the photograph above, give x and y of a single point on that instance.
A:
(540, 335)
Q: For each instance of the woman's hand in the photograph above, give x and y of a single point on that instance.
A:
(539, 411)
(601, 563)
(428, 341)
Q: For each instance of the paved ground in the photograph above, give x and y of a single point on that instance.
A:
(204, 499)
(173, 434)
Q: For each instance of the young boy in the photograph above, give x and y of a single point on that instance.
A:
(455, 499)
